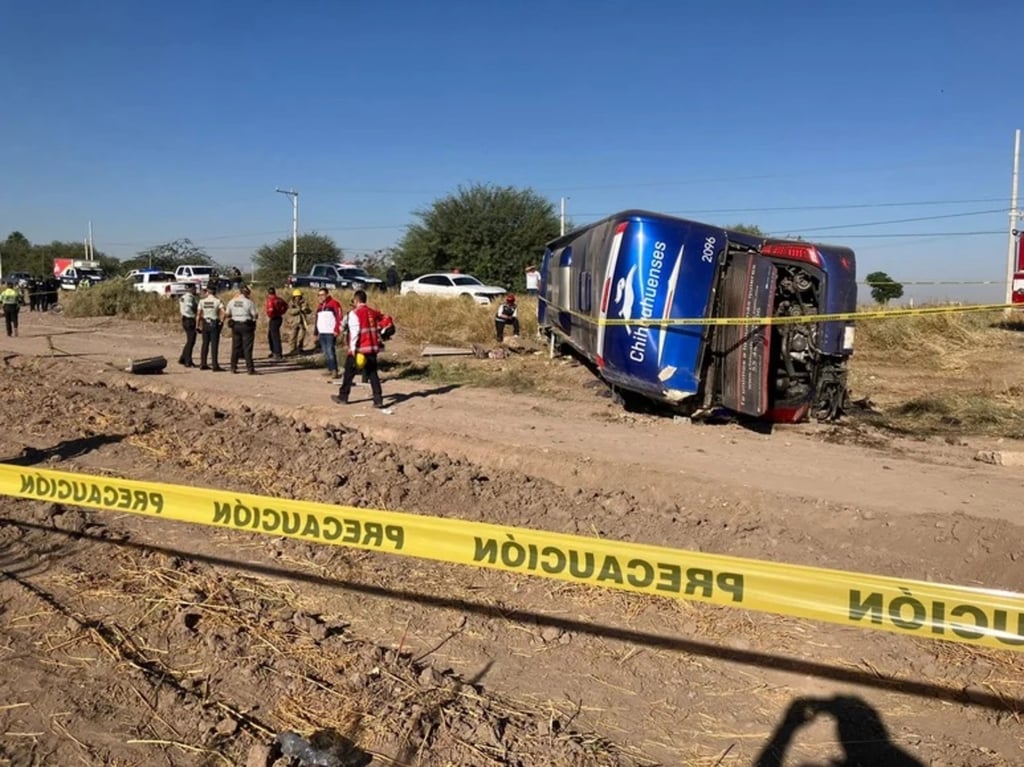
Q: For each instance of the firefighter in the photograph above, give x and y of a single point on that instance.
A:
(299, 311)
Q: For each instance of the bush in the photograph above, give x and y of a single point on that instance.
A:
(118, 298)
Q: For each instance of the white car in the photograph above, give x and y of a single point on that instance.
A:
(452, 284)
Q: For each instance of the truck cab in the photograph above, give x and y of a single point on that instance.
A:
(73, 273)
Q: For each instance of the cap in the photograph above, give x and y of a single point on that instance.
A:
(510, 298)
(296, 292)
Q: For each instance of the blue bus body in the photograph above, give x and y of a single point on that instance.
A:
(605, 287)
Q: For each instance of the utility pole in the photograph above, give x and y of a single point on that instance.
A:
(563, 214)
(1011, 257)
(295, 226)
(91, 251)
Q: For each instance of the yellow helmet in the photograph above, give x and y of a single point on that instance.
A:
(360, 360)
(296, 292)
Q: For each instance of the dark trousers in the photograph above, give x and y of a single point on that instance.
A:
(188, 324)
(11, 318)
(499, 328)
(243, 335)
(370, 370)
(274, 336)
(211, 343)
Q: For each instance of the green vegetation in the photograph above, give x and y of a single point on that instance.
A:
(20, 255)
(274, 261)
(883, 287)
(489, 231)
(168, 256)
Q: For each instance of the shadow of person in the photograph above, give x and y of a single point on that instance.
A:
(65, 450)
(862, 735)
(396, 398)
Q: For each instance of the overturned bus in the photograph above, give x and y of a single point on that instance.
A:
(667, 310)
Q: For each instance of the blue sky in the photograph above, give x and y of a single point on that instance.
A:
(157, 120)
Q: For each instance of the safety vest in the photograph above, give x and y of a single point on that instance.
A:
(368, 339)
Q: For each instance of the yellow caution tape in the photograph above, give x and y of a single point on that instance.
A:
(801, 319)
(913, 608)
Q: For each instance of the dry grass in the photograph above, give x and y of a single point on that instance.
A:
(118, 298)
(932, 335)
(942, 374)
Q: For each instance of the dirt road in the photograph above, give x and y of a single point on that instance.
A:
(644, 681)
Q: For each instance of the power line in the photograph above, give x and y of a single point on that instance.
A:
(900, 220)
(598, 216)
(924, 234)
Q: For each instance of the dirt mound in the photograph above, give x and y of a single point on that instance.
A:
(185, 645)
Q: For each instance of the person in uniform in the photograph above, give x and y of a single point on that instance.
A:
(11, 300)
(242, 314)
(299, 311)
(187, 305)
(211, 318)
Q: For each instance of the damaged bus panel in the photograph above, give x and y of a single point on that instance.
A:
(667, 310)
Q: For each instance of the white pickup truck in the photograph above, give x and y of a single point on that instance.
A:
(161, 283)
(197, 274)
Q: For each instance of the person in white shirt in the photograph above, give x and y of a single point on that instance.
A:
(532, 280)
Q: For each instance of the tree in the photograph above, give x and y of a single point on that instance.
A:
(274, 262)
(169, 255)
(883, 287)
(493, 232)
(15, 254)
(748, 229)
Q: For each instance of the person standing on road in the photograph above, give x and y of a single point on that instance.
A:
(211, 319)
(299, 311)
(391, 278)
(276, 309)
(242, 314)
(363, 345)
(532, 280)
(327, 329)
(187, 305)
(508, 314)
(11, 300)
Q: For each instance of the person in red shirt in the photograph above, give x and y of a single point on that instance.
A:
(327, 329)
(362, 324)
(276, 309)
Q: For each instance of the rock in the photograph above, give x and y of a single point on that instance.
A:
(428, 677)
(259, 756)
(226, 726)
(550, 633)
(1000, 457)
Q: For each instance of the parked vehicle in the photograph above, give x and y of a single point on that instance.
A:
(605, 287)
(336, 276)
(20, 279)
(452, 284)
(197, 274)
(74, 273)
(156, 281)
